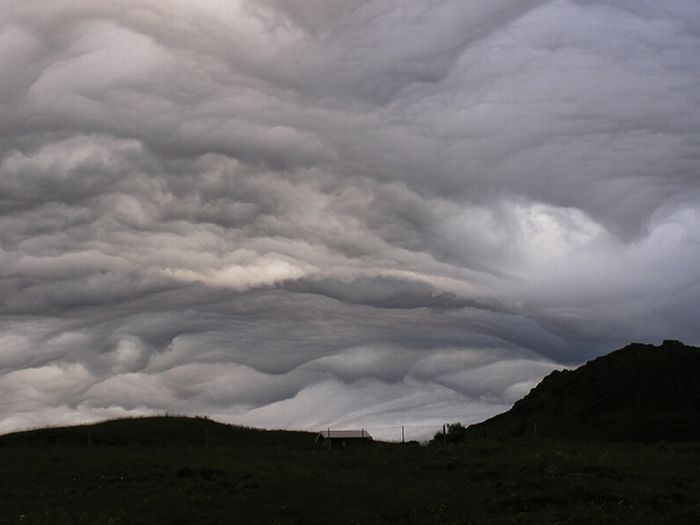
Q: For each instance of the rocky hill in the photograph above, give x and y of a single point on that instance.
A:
(641, 393)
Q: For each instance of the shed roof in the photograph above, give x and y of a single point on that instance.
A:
(344, 434)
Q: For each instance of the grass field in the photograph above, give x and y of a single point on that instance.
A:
(175, 470)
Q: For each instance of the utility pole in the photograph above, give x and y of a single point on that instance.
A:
(444, 435)
(403, 435)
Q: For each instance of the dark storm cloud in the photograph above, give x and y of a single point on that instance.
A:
(308, 213)
(378, 49)
(383, 292)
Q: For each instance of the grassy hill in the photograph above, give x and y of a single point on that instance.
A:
(176, 470)
(161, 471)
(159, 431)
(641, 393)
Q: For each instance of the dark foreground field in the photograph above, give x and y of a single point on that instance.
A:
(161, 470)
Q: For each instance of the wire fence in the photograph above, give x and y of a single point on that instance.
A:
(396, 433)
(388, 433)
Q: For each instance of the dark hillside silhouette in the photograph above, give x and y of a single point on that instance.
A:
(193, 470)
(155, 431)
(641, 393)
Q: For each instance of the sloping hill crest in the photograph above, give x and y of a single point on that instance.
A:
(640, 393)
(156, 431)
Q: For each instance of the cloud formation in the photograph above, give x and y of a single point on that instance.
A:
(307, 213)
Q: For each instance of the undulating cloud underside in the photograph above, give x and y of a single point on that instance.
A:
(344, 213)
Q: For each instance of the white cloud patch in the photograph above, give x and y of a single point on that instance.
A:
(267, 270)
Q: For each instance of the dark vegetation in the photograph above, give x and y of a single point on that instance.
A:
(641, 393)
(179, 470)
(454, 433)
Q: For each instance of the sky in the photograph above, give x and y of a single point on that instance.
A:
(338, 213)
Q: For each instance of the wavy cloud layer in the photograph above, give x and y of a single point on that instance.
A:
(310, 213)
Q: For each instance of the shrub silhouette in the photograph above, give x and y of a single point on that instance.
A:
(456, 433)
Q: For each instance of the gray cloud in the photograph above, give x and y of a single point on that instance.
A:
(308, 213)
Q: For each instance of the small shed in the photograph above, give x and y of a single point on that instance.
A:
(343, 437)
